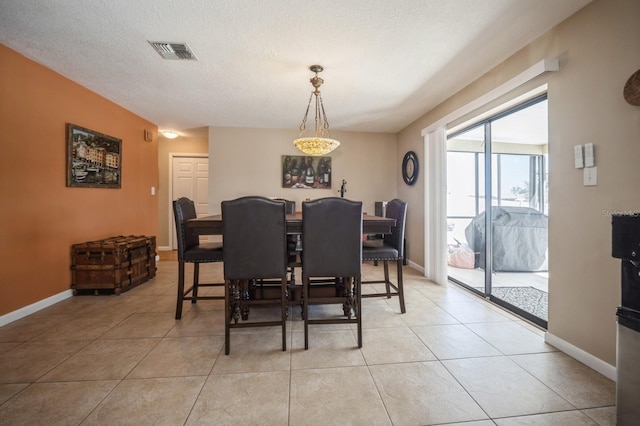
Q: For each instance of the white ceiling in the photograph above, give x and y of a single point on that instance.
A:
(387, 62)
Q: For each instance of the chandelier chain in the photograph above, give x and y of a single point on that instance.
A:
(325, 122)
(303, 125)
(320, 143)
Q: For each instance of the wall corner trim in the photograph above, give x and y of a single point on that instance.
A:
(34, 307)
(586, 358)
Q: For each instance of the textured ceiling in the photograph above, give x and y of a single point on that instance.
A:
(386, 62)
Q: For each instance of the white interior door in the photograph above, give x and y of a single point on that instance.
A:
(190, 178)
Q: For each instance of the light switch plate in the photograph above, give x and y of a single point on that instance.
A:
(589, 157)
(578, 158)
(590, 176)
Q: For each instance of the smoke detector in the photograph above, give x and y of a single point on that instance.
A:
(171, 50)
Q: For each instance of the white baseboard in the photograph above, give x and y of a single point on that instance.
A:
(164, 248)
(34, 307)
(586, 358)
(415, 266)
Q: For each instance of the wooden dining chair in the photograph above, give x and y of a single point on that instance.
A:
(293, 244)
(332, 261)
(190, 250)
(290, 206)
(389, 248)
(255, 262)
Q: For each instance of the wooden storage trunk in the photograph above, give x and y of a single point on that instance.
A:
(116, 263)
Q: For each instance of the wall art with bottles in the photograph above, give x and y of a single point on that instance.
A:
(306, 172)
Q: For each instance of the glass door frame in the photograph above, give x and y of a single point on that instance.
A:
(488, 187)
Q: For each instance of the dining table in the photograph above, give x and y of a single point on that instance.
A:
(212, 225)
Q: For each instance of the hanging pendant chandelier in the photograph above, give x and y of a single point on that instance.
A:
(319, 143)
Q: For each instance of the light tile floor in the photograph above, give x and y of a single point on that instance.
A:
(451, 359)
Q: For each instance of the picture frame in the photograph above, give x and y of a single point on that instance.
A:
(94, 160)
(410, 168)
(306, 172)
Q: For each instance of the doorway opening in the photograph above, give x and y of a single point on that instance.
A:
(189, 177)
(497, 208)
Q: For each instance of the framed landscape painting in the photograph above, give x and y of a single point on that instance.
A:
(94, 160)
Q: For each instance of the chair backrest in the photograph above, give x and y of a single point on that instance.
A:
(396, 209)
(254, 235)
(290, 205)
(183, 210)
(332, 238)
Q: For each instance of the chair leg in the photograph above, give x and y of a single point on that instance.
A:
(386, 278)
(196, 280)
(227, 317)
(283, 300)
(293, 276)
(180, 290)
(358, 284)
(401, 287)
(305, 310)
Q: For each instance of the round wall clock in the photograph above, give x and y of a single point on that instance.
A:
(410, 168)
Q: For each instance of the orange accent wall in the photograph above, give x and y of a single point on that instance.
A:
(40, 218)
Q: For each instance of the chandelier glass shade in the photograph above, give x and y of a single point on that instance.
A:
(320, 143)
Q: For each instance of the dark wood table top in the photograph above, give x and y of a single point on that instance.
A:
(212, 225)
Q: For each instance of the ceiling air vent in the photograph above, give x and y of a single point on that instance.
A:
(173, 50)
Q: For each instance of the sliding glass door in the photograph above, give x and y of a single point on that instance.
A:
(501, 251)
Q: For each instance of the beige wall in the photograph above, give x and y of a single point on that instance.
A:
(180, 145)
(245, 161)
(598, 51)
(40, 217)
